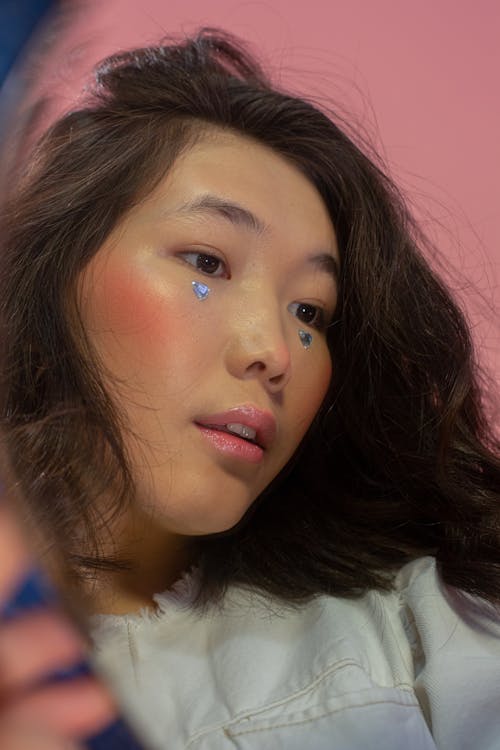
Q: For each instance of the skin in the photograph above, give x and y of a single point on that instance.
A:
(169, 358)
(32, 715)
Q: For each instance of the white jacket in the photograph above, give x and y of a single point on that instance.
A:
(408, 670)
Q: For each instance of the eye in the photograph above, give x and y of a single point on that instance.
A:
(206, 263)
(311, 315)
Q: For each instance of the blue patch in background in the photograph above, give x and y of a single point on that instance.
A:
(18, 21)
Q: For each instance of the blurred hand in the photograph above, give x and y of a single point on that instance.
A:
(32, 646)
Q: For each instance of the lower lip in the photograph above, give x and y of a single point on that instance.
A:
(232, 445)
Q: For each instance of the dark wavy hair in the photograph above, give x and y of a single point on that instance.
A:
(400, 461)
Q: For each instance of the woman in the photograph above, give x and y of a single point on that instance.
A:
(231, 376)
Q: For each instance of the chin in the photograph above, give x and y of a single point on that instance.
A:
(214, 524)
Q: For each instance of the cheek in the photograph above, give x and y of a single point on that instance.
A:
(307, 390)
(318, 371)
(326, 374)
(129, 309)
(316, 381)
(140, 324)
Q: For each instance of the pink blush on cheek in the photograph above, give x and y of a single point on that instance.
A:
(128, 309)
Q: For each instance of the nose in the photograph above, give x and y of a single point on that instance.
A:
(258, 349)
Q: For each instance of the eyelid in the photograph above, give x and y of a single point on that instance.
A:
(208, 252)
(324, 315)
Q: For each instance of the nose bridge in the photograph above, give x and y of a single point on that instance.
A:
(261, 307)
(258, 337)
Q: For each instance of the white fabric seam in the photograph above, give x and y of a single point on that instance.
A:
(254, 712)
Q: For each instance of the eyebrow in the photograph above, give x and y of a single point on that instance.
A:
(232, 212)
(326, 263)
(239, 216)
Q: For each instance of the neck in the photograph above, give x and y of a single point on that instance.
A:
(157, 559)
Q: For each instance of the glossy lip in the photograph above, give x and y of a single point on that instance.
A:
(262, 422)
(231, 445)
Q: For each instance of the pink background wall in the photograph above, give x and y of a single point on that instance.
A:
(423, 77)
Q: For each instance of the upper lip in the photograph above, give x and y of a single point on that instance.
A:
(261, 421)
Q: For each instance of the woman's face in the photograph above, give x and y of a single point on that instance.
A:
(234, 216)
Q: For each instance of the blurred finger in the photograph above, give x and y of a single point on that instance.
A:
(76, 709)
(15, 736)
(15, 556)
(34, 646)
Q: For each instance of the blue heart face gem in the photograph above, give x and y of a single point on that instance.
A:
(201, 290)
(306, 338)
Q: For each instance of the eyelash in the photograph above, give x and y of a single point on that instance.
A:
(318, 320)
(205, 270)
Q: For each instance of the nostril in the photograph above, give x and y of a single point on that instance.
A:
(277, 380)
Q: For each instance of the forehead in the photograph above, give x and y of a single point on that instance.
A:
(239, 171)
